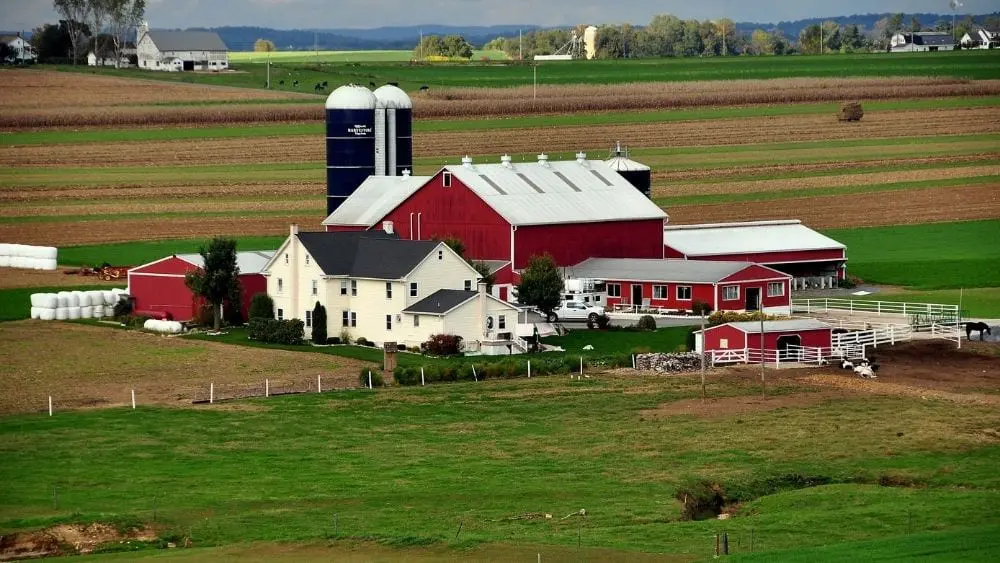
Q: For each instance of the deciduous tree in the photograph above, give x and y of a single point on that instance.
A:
(74, 13)
(218, 279)
(264, 46)
(124, 16)
(541, 284)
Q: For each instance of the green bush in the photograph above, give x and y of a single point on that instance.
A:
(464, 373)
(646, 322)
(405, 375)
(699, 307)
(376, 377)
(273, 331)
(261, 307)
(319, 324)
(723, 317)
(603, 321)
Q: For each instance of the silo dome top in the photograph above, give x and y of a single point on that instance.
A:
(351, 96)
(392, 97)
(625, 164)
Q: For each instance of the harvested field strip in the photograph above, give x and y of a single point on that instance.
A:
(66, 196)
(178, 175)
(139, 252)
(841, 211)
(247, 210)
(122, 230)
(208, 207)
(192, 130)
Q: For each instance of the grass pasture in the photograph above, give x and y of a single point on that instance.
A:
(327, 57)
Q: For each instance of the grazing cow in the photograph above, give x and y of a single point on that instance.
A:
(846, 364)
(865, 372)
(425, 88)
(981, 327)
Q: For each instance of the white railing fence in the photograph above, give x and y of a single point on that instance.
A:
(889, 334)
(826, 304)
(790, 355)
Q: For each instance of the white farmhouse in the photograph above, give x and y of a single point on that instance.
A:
(981, 38)
(175, 51)
(21, 51)
(386, 289)
(906, 42)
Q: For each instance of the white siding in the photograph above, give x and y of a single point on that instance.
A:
(450, 272)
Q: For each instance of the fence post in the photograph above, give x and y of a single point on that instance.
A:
(474, 374)
(267, 387)
(319, 383)
(133, 399)
(421, 376)
(50, 405)
(211, 393)
(370, 379)
(633, 361)
(892, 334)
(529, 369)
(581, 367)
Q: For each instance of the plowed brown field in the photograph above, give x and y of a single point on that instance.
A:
(315, 205)
(309, 148)
(130, 192)
(871, 209)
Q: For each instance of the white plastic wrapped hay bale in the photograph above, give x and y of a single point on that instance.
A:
(48, 264)
(48, 300)
(74, 298)
(36, 299)
(167, 327)
(47, 252)
(47, 314)
(63, 299)
(62, 313)
(4, 261)
(73, 313)
(5, 249)
(36, 312)
(83, 297)
(109, 298)
(16, 262)
(98, 311)
(86, 312)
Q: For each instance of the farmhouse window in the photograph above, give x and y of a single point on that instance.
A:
(614, 290)
(354, 288)
(307, 259)
(416, 320)
(723, 343)
(731, 292)
(446, 179)
(346, 318)
(286, 258)
(659, 292)
(281, 314)
(343, 287)
(388, 322)
(468, 285)
(354, 319)
(413, 289)
(315, 287)
(281, 285)
(684, 293)
(502, 322)
(388, 290)
(309, 319)
(775, 289)
(440, 255)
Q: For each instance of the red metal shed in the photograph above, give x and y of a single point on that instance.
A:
(158, 287)
(677, 284)
(777, 335)
(510, 211)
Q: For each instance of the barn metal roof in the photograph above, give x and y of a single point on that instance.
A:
(753, 327)
(932, 38)
(440, 302)
(536, 193)
(187, 41)
(740, 238)
(638, 269)
(374, 199)
(250, 262)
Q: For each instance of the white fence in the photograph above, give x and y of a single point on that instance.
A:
(889, 334)
(823, 305)
(790, 355)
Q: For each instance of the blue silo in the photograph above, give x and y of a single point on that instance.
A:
(393, 131)
(350, 142)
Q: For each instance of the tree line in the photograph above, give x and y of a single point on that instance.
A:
(106, 27)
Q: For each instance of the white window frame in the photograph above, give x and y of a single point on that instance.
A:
(354, 319)
(725, 293)
(315, 287)
(690, 292)
(388, 290)
(345, 318)
(286, 258)
(281, 314)
(660, 292)
(614, 290)
(388, 322)
(414, 289)
(309, 319)
(501, 322)
(416, 320)
(307, 259)
(343, 287)
(779, 285)
(354, 288)
(440, 255)
(446, 179)
(468, 285)
(281, 285)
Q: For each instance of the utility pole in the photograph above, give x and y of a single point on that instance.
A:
(534, 94)
(760, 309)
(268, 70)
(520, 45)
(723, 38)
(703, 356)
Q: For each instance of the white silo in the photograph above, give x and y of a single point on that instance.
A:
(393, 131)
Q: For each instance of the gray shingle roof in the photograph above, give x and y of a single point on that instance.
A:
(932, 38)
(187, 41)
(753, 327)
(637, 269)
(440, 302)
(365, 254)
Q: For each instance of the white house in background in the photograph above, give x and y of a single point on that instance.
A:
(175, 51)
(92, 60)
(903, 42)
(981, 38)
(386, 289)
(22, 50)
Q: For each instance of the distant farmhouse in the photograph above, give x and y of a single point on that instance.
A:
(20, 50)
(981, 38)
(175, 51)
(922, 41)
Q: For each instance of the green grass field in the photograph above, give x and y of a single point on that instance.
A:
(959, 64)
(408, 467)
(397, 56)
(929, 256)
(15, 304)
(136, 253)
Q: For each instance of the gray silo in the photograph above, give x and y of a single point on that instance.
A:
(636, 173)
(393, 131)
(350, 142)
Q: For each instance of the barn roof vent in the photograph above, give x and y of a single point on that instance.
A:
(505, 160)
(406, 172)
(543, 159)
(467, 161)
(581, 158)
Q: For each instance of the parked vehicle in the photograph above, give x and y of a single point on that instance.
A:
(575, 311)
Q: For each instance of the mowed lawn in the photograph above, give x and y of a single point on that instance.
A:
(469, 463)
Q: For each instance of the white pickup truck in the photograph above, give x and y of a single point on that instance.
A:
(575, 311)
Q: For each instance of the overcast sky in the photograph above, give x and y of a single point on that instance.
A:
(325, 14)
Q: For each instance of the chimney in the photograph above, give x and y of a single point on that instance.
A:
(543, 159)
(483, 301)
(406, 172)
(293, 229)
(387, 227)
(505, 160)
(581, 158)
(467, 161)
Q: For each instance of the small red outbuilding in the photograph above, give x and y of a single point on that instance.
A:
(158, 288)
(778, 335)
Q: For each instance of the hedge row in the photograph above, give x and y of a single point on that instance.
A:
(273, 331)
(505, 369)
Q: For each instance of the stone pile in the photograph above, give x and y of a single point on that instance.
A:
(687, 361)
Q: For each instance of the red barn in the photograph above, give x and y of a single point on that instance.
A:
(789, 246)
(159, 291)
(509, 211)
(778, 335)
(677, 284)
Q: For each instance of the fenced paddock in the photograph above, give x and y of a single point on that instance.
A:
(787, 357)
(879, 308)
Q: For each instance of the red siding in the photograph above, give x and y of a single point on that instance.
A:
(769, 257)
(504, 276)
(671, 253)
(170, 265)
(701, 292)
(816, 338)
(739, 304)
(453, 212)
(573, 243)
(713, 336)
(755, 272)
(250, 285)
(342, 228)
(169, 294)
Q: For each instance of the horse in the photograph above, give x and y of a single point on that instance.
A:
(981, 327)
